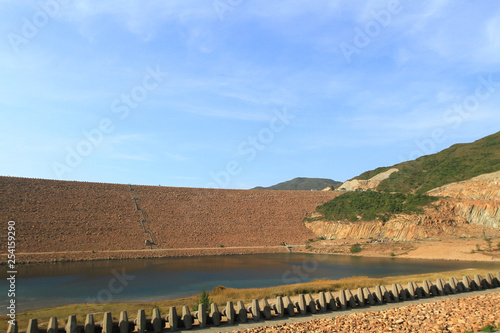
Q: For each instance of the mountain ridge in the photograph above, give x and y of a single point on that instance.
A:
(301, 184)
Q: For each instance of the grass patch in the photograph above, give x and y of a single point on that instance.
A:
(488, 328)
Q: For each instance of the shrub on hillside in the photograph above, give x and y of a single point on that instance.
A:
(356, 248)
(373, 205)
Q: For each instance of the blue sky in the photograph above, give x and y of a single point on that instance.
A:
(240, 93)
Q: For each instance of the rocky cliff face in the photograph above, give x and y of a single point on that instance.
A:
(470, 208)
(438, 222)
(476, 200)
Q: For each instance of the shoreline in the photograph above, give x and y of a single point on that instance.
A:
(470, 249)
(455, 249)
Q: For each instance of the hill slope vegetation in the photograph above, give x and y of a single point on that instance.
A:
(368, 206)
(457, 163)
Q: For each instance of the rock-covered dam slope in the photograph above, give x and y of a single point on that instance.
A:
(64, 216)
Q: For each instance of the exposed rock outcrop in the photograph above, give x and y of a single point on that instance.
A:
(477, 200)
(438, 222)
(372, 183)
(470, 208)
(485, 187)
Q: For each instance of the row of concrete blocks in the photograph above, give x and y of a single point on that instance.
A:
(282, 307)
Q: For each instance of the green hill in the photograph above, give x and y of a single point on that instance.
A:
(302, 184)
(457, 163)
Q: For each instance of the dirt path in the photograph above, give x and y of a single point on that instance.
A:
(475, 249)
(164, 250)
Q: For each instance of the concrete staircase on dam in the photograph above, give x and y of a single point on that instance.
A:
(257, 311)
(142, 219)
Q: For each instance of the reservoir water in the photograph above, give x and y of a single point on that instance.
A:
(141, 280)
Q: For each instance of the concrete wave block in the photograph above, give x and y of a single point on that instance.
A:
(230, 313)
(342, 300)
(52, 326)
(403, 293)
(107, 323)
(394, 292)
(441, 286)
(311, 303)
(477, 282)
(32, 326)
(467, 281)
(173, 319)
(453, 283)
(279, 307)
(123, 323)
(481, 282)
(215, 315)
(496, 280)
(289, 306)
(301, 305)
(412, 293)
(489, 279)
(72, 325)
(90, 324)
(434, 289)
(13, 327)
(321, 302)
(266, 309)
(386, 294)
(331, 301)
(156, 320)
(241, 312)
(350, 298)
(420, 290)
(187, 317)
(379, 294)
(201, 315)
(369, 296)
(255, 310)
(460, 285)
(140, 321)
(360, 297)
(426, 286)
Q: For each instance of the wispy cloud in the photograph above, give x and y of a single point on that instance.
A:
(131, 157)
(175, 157)
(225, 78)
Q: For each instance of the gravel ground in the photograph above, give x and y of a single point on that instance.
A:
(456, 313)
(450, 315)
